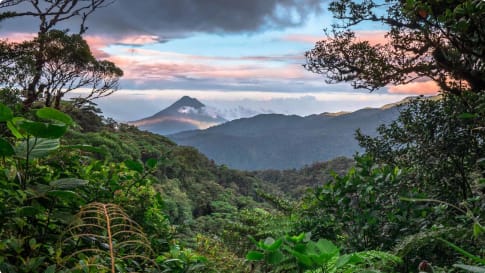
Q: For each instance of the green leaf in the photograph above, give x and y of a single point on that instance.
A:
(463, 252)
(477, 229)
(53, 114)
(298, 238)
(37, 147)
(254, 256)
(467, 116)
(327, 247)
(68, 183)
(302, 258)
(64, 195)
(11, 126)
(343, 260)
(471, 268)
(275, 257)
(271, 244)
(134, 165)
(5, 113)
(41, 129)
(6, 148)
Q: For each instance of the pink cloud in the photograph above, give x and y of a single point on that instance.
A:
(17, 37)
(373, 36)
(148, 67)
(97, 43)
(417, 88)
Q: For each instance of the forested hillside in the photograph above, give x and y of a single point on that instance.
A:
(82, 193)
(265, 141)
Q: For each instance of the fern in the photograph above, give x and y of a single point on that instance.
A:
(103, 237)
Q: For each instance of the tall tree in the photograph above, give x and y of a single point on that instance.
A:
(68, 64)
(55, 62)
(440, 141)
(440, 40)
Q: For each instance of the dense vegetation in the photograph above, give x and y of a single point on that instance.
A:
(81, 193)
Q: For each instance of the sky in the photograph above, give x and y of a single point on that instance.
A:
(240, 57)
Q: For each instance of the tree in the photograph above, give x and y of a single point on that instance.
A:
(55, 62)
(68, 64)
(440, 140)
(440, 40)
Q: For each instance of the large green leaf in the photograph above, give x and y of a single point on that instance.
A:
(37, 147)
(68, 183)
(301, 258)
(327, 247)
(254, 256)
(5, 113)
(5, 148)
(13, 128)
(64, 195)
(53, 114)
(274, 257)
(42, 129)
(343, 260)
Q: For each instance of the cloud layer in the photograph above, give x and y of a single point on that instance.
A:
(177, 18)
(168, 19)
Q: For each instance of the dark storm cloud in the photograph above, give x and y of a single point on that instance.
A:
(178, 18)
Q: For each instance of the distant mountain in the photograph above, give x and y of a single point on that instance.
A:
(185, 114)
(275, 141)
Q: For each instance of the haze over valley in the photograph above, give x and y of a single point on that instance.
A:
(266, 141)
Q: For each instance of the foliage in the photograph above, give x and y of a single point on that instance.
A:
(440, 141)
(316, 256)
(294, 183)
(362, 208)
(441, 41)
(53, 64)
(182, 261)
(220, 258)
(36, 204)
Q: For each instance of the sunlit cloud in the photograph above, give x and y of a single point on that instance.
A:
(415, 88)
(17, 37)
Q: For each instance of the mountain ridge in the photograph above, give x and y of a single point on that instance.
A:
(278, 141)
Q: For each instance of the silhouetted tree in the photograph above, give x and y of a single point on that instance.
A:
(440, 40)
(55, 62)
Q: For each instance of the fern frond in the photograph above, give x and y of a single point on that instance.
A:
(104, 236)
